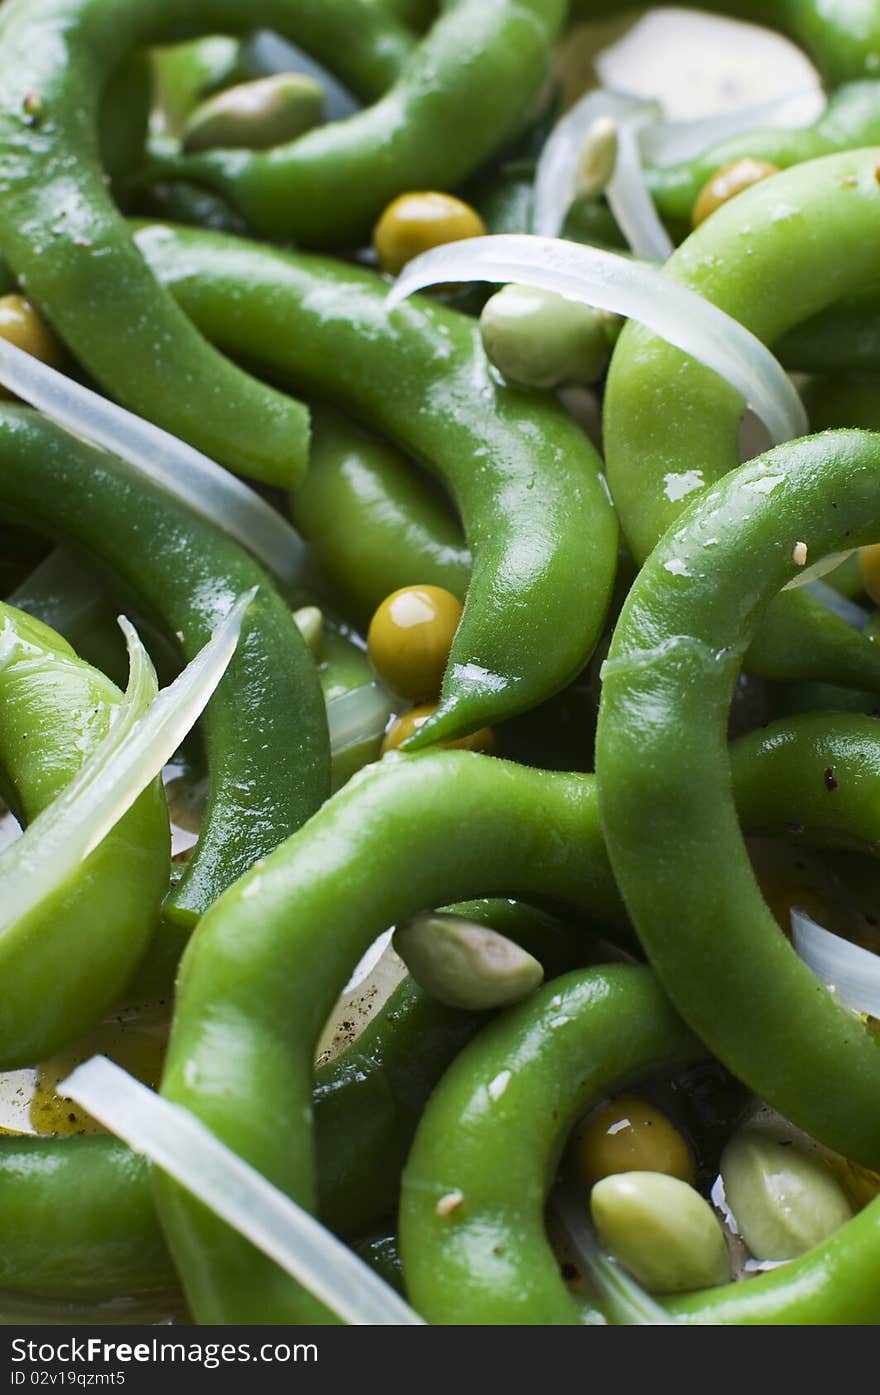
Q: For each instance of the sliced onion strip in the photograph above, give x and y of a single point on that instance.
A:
(630, 199)
(183, 471)
(359, 715)
(144, 734)
(669, 142)
(643, 293)
(557, 166)
(841, 606)
(180, 1144)
(852, 973)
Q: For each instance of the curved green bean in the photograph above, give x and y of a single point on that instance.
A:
(367, 1101)
(472, 1236)
(266, 727)
(525, 479)
(397, 531)
(66, 962)
(667, 808)
(671, 425)
(61, 231)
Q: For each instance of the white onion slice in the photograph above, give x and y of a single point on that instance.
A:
(180, 1144)
(557, 166)
(644, 293)
(698, 63)
(669, 142)
(841, 606)
(143, 736)
(809, 575)
(359, 715)
(626, 1301)
(629, 197)
(182, 470)
(852, 973)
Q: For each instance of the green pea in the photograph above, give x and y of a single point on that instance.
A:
(539, 339)
(662, 1230)
(256, 115)
(783, 1197)
(464, 964)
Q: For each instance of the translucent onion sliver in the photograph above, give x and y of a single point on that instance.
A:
(359, 715)
(144, 734)
(626, 287)
(852, 973)
(630, 199)
(557, 166)
(179, 1143)
(841, 606)
(179, 468)
(669, 142)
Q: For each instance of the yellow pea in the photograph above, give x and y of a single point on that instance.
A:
(628, 1135)
(413, 223)
(410, 637)
(729, 181)
(482, 741)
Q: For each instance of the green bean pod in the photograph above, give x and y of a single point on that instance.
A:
(260, 976)
(266, 727)
(664, 778)
(67, 960)
(457, 98)
(525, 479)
(472, 1234)
(851, 120)
(844, 338)
(838, 400)
(373, 525)
(102, 1241)
(62, 233)
(520, 1084)
(833, 1285)
(367, 1101)
(671, 424)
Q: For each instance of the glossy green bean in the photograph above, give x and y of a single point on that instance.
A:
(472, 1236)
(101, 1241)
(671, 424)
(368, 1100)
(525, 480)
(458, 98)
(843, 338)
(366, 1105)
(265, 729)
(268, 1017)
(838, 400)
(527, 1077)
(667, 807)
(851, 120)
(373, 525)
(67, 960)
(61, 231)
